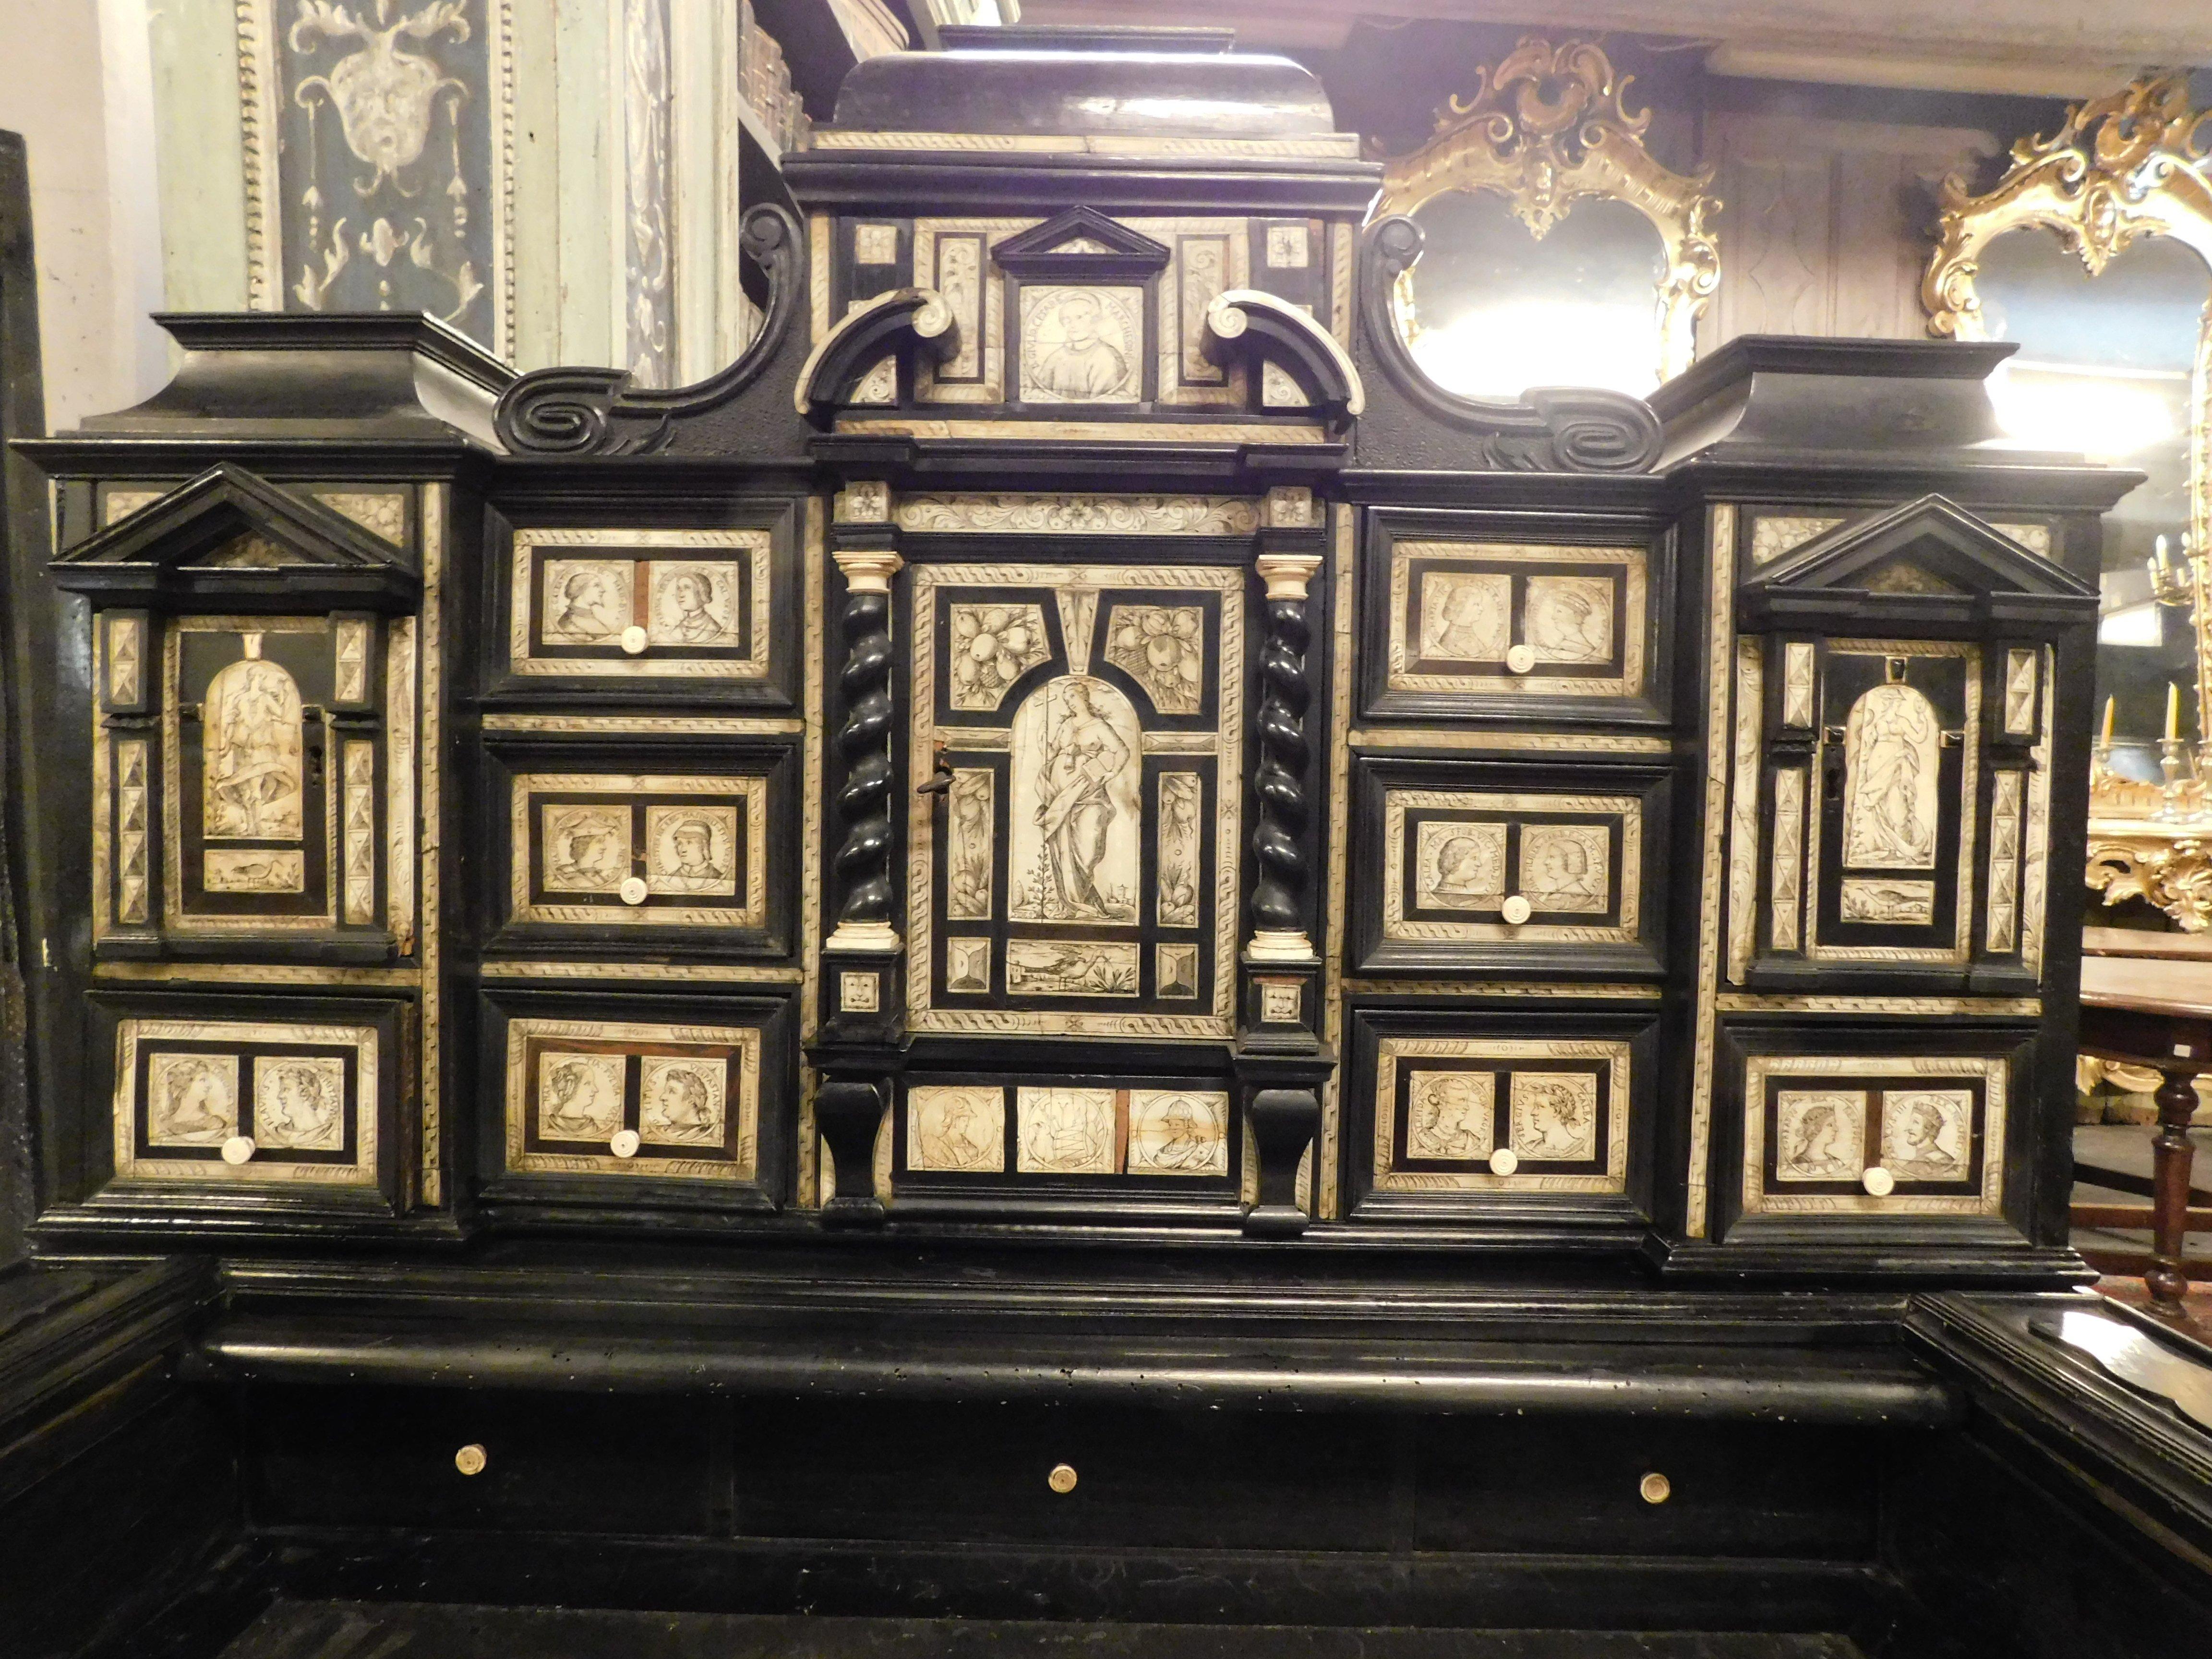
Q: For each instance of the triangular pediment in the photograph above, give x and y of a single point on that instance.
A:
(1931, 545)
(230, 535)
(1082, 244)
(1929, 558)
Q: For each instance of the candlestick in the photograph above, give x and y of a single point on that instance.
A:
(2173, 802)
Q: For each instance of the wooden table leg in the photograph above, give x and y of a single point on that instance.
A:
(2170, 1156)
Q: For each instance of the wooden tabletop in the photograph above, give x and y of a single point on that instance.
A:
(2177, 989)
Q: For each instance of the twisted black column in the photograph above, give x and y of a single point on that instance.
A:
(864, 858)
(1280, 883)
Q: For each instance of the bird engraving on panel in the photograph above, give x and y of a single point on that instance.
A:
(1553, 1115)
(587, 601)
(1081, 345)
(957, 1129)
(1819, 1134)
(1065, 1130)
(1926, 1133)
(969, 806)
(586, 848)
(1569, 619)
(1176, 1132)
(1887, 903)
(692, 603)
(1449, 1115)
(252, 741)
(691, 850)
(1565, 866)
(992, 647)
(681, 1101)
(579, 1097)
(1890, 774)
(192, 1100)
(1163, 649)
(1071, 968)
(299, 1103)
(1076, 770)
(1466, 616)
(237, 870)
(1459, 867)
(1179, 796)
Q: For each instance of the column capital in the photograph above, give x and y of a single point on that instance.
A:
(869, 569)
(1287, 574)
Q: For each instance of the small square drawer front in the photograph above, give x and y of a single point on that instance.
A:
(289, 1101)
(622, 843)
(1483, 867)
(1484, 1112)
(1472, 618)
(1897, 1126)
(617, 1098)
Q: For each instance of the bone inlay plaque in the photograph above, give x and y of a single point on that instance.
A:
(678, 604)
(1484, 618)
(679, 1102)
(1814, 1125)
(1452, 859)
(247, 1101)
(614, 851)
(1446, 1107)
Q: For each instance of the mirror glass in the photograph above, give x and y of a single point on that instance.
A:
(1495, 311)
(2104, 367)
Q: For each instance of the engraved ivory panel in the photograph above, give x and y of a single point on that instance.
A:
(627, 851)
(1082, 344)
(1815, 1123)
(126, 653)
(577, 1089)
(1067, 1132)
(300, 1100)
(1785, 887)
(1445, 1105)
(2020, 693)
(1470, 849)
(668, 604)
(1896, 809)
(1178, 1132)
(1093, 740)
(958, 252)
(1458, 609)
(956, 1129)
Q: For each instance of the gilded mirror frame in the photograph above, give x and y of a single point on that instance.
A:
(2136, 163)
(1545, 128)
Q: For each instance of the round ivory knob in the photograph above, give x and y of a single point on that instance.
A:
(633, 889)
(1655, 1488)
(624, 1143)
(1878, 1181)
(238, 1149)
(1514, 910)
(470, 1460)
(1521, 659)
(633, 638)
(1062, 1479)
(1504, 1161)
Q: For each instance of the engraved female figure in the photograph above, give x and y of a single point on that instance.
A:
(251, 765)
(1083, 755)
(1889, 801)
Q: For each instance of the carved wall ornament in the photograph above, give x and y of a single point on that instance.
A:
(1546, 128)
(2168, 866)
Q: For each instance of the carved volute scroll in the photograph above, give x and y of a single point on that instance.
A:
(1545, 128)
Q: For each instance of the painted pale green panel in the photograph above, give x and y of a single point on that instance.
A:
(577, 239)
(698, 208)
(199, 146)
(537, 188)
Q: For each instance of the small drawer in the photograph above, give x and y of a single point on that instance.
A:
(1472, 616)
(1848, 1128)
(1479, 866)
(1472, 1114)
(613, 1098)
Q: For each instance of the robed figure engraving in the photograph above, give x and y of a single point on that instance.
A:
(1890, 767)
(1075, 744)
(251, 753)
